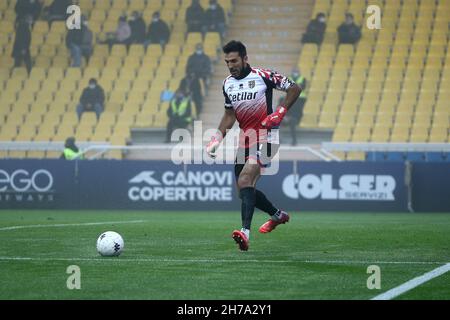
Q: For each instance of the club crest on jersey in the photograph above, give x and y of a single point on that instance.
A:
(251, 84)
(241, 86)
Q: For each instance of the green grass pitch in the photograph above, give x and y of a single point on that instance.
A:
(190, 255)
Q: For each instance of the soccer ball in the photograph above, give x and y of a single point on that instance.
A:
(110, 244)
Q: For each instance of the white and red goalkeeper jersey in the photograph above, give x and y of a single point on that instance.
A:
(250, 96)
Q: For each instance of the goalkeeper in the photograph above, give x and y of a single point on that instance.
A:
(248, 99)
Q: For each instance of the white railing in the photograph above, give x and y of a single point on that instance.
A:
(384, 147)
(95, 150)
(42, 145)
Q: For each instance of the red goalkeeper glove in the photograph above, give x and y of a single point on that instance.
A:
(274, 119)
(213, 145)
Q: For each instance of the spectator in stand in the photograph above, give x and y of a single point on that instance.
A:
(200, 65)
(92, 99)
(122, 34)
(28, 7)
(195, 17)
(315, 30)
(79, 42)
(57, 10)
(349, 32)
(295, 113)
(73, 43)
(191, 85)
(138, 28)
(158, 31)
(21, 47)
(86, 40)
(71, 151)
(215, 18)
(179, 112)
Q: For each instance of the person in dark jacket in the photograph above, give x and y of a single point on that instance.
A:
(348, 31)
(21, 48)
(315, 30)
(86, 40)
(57, 10)
(138, 28)
(24, 8)
(158, 31)
(74, 39)
(195, 17)
(179, 112)
(199, 64)
(191, 84)
(71, 151)
(295, 113)
(92, 99)
(215, 18)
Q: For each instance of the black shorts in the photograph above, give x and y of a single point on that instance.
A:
(262, 153)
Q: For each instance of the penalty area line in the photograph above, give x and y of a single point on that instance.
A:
(413, 283)
(59, 225)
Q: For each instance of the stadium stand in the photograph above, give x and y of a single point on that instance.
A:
(391, 86)
(41, 106)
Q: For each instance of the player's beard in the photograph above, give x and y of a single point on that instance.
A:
(237, 72)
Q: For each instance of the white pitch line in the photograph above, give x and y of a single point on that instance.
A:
(121, 259)
(411, 284)
(68, 225)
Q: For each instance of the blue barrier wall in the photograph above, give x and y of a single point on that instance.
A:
(340, 186)
(162, 185)
(35, 184)
(431, 187)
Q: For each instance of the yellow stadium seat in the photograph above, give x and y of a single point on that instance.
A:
(342, 134)
(380, 133)
(438, 134)
(154, 50)
(43, 62)
(136, 50)
(419, 137)
(55, 74)
(35, 154)
(361, 133)
(83, 135)
(194, 38)
(137, 5)
(45, 132)
(136, 96)
(118, 50)
(125, 117)
(311, 117)
(144, 120)
(33, 118)
(327, 120)
(102, 5)
(122, 85)
(131, 109)
(88, 119)
(160, 120)
(17, 154)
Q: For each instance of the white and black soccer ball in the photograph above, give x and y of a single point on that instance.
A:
(110, 244)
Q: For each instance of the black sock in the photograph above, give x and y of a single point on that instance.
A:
(248, 197)
(263, 204)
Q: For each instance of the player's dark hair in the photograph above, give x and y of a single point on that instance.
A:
(235, 46)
